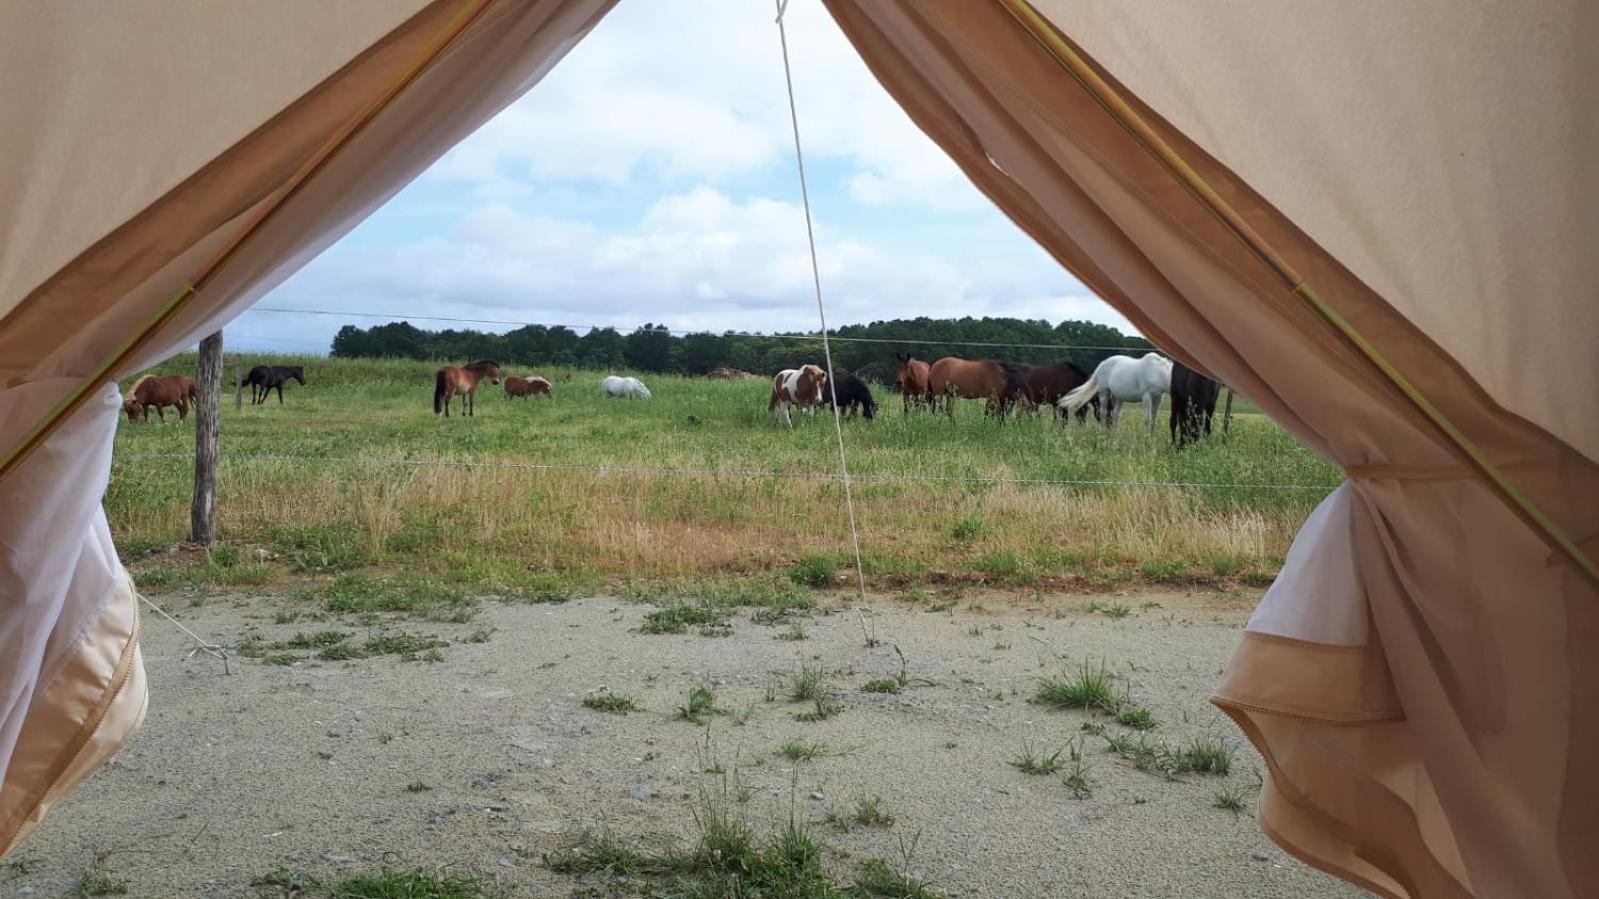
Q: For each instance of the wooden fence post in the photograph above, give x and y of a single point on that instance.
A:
(238, 383)
(1227, 413)
(207, 437)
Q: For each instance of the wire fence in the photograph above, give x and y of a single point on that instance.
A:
(746, 473)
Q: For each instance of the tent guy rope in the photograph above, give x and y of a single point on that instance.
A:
(821, 308)
(201, 644)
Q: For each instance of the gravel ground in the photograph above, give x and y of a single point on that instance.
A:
(485, 761)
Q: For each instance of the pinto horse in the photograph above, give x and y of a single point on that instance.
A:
(462, 381)
(152, 391)
(976, 379)
(1193, 404)
(1046, 384)
(1120, 379)
(525, 387)
(912, 380)
(803, 387)
(263, 378)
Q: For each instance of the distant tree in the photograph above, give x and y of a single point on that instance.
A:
(650, 348)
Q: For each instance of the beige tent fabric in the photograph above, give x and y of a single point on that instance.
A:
(1451, 146)
(67, 604)
(1421, 691)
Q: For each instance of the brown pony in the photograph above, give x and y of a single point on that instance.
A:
(153, 391)
(1046, 384)
(463, 381)
(525, 387)
(976, 379)
(912, 380)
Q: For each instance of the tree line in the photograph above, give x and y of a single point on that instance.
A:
(652, 348)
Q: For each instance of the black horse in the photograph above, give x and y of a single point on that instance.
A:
(263, 378)
(1046, 384)
(853, 395)
(1193, 404)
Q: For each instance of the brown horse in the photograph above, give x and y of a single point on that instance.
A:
(525, 387)
(463, 381)
(153, 391)
(976, 379)
(912, 380)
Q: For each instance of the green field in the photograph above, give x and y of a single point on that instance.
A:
(356, 473)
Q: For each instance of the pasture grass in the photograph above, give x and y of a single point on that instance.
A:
(356, 478)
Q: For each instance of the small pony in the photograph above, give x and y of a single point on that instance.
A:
(525, 387)
(631, 388)
(263, 378)
(803, 387)
(1120, 379)
(156, 391)
(451, 381)
(852, 394)
(912, 380)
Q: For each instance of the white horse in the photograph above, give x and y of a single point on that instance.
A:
(632, 388)
(1123, 378)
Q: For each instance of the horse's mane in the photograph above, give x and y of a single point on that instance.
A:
(137, 383)
(482, 362)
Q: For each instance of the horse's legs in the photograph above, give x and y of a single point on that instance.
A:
(280, 394)
(1151, 410)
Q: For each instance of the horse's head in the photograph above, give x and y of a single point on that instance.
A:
(131, 406)
(487, 368)
(298, 374)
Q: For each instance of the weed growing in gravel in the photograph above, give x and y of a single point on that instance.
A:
(809, 685)
(616, 703)
(803, 750)
(1201, 755)
(99, 883)
(1030, 761)
(701, 702)
(867, 811)
(1232, 799)
(313, 641)
(881, 685)
(1204, 755)
(1076, 777)
(1117, 611)
(814, 571)
(796, 632)
(407, 595)
(821, 710)
(1136, 718)
(1089, 688)
(412, 884)
(677, 619)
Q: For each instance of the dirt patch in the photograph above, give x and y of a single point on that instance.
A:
(485, 761)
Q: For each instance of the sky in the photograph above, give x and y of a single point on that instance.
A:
(651, 178)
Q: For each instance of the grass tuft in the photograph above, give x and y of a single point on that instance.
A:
(616, 703)
(1089, 688)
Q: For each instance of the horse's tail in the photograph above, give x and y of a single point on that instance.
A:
(438, 392)
(1079, 396)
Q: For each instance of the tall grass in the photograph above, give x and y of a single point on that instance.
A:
(356, 471)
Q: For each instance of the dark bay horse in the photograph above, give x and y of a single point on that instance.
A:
(853, 395)
(263, 378)
(976, 379)
(462, 381)
(154, 392)
(1193, 404)
(1046, 384)
(912, 380)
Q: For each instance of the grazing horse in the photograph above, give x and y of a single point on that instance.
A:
(1046, 384)
(152, 391)
(263, 378)
(976, 379)
(525, 387)
(1193, 404)
(912, 380)
(451, 381)
(803, 387)
(853, 395)
(632, 388)
(1120, 379)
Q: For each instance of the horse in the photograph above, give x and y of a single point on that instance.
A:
(852, 395)
(912, 381)
(803, 387)
(975, 379)
(157, 391)
(525, 387)
(1123, 378)
(263, 378)
(451, 381)
(632, 388)
(1193, 404)
(1046, 384)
